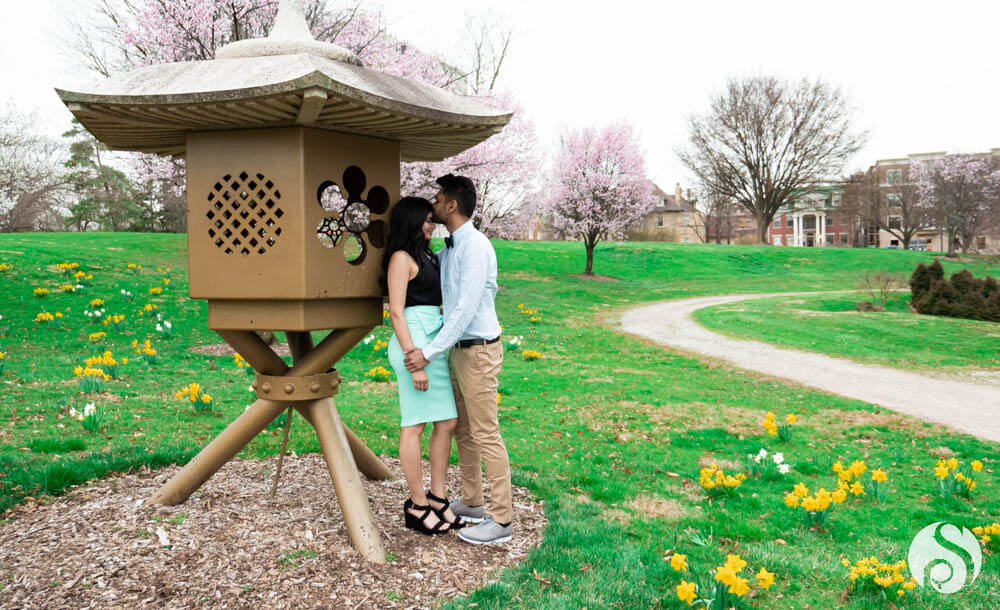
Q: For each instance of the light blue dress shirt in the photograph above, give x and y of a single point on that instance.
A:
(468, 290)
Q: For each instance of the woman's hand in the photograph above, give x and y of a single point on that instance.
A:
(420, 381)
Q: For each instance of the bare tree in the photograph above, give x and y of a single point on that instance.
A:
(718, 215)
(32, 184)
(763, 140)
(890, 205)
(963, 191)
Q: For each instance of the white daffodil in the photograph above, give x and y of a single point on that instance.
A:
(168, 324)
(779, 458)
(159, 328)
(89, 409)
(760, 455)
(784, 468)
(369, 339)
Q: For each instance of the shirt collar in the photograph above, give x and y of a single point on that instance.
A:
(462, 230)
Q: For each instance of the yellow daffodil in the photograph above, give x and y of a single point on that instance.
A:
(791, 418)
(801, 490)
(686, 592)
(976, 465)
(678, 562)
(879, 476)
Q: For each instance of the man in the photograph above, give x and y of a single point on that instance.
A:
(469, 288)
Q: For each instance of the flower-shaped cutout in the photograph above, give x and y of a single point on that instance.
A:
(355, 217)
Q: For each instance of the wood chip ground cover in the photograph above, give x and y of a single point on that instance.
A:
(230, 545)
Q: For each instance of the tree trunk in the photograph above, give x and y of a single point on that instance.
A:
(951, 245)
(590, 259)
(906, 241)
(762, 225)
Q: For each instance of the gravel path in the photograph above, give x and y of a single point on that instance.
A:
(970, 406)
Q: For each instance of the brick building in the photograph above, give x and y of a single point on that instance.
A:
(814, 219)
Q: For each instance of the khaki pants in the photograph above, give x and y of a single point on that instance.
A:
(474, 373)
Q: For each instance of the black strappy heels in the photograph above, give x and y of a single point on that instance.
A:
(414, 522)
(457, 524)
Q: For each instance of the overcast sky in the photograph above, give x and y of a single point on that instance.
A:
(922, 75)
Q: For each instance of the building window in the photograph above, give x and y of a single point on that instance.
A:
(809, 223)
(789, 222)
(829, 220)
(776, 240)
(659, 221)
(981, 243)
(843, 239)
(687, 221)
(829, 239)
(777, 223)
(894, 176)
(687, 240)
(894, 200)
(835, 200)
(896, 222)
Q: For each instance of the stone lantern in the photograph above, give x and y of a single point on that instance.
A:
(292, 150)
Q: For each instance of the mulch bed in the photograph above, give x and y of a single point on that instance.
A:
(230, 545)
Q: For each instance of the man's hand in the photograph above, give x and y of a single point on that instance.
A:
(420, 381)
(415, 360)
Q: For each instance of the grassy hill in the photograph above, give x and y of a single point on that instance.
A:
(609, 431)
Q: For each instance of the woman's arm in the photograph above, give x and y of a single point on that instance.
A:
(402, 269)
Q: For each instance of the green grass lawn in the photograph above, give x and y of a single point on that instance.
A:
(832, 325)
(606, 429)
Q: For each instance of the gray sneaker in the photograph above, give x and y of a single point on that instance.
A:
(487, 532)
(467, 513)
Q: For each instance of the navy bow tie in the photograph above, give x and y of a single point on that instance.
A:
(449, 241)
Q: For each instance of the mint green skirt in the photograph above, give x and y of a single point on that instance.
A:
(438, 402)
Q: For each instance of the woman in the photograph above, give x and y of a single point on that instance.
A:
(414, 281)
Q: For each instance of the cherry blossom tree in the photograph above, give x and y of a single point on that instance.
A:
(599, 185)
(963, 192)
(123, 34)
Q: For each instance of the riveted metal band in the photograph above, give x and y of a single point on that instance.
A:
(283, 388)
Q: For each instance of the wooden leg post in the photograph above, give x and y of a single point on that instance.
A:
(346, 480)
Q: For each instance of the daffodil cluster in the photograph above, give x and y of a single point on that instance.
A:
(155, 290)
(164, 327)
(192, 393)
(850, 480)
(118, 320)
(379, 373)
(41, 292)
(241, 363)
(127, 295)
(89, 417)
(91, 379)
(716, 482)
(955, 478)
(133, 267)
(65, 268)
(3, 361)
(97, 303)
(97, 337)
(989, 534)
(82, 280)
(767, 467)
(379, 345)
(868, 574)
(722, 588)
(68, 287)
(782, 430)
(145, 350)
(5, 267)
(530, 354)
(815, 507)
(45, 317)
(95, 316)
(515, 343)
(106, 362)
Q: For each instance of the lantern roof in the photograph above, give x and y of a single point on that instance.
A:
(285, 79)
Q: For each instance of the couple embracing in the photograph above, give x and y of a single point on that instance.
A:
(447, 364)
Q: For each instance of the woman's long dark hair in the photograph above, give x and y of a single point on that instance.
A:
(406, 229)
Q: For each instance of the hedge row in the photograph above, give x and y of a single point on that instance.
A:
(961, 296)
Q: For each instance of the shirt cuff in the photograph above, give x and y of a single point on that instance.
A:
(428, 356)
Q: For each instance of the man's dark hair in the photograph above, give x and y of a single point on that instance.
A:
(461, 190)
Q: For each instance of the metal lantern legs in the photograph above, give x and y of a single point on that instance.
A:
(309, 388)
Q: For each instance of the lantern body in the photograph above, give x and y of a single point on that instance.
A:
(287, 226)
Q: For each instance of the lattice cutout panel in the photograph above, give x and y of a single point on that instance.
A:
(245, 214)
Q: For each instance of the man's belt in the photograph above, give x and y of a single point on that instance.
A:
(470, 342)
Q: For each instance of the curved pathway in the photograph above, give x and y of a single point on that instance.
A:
(968, 406)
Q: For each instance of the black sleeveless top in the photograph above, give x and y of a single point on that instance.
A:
(425, 287)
